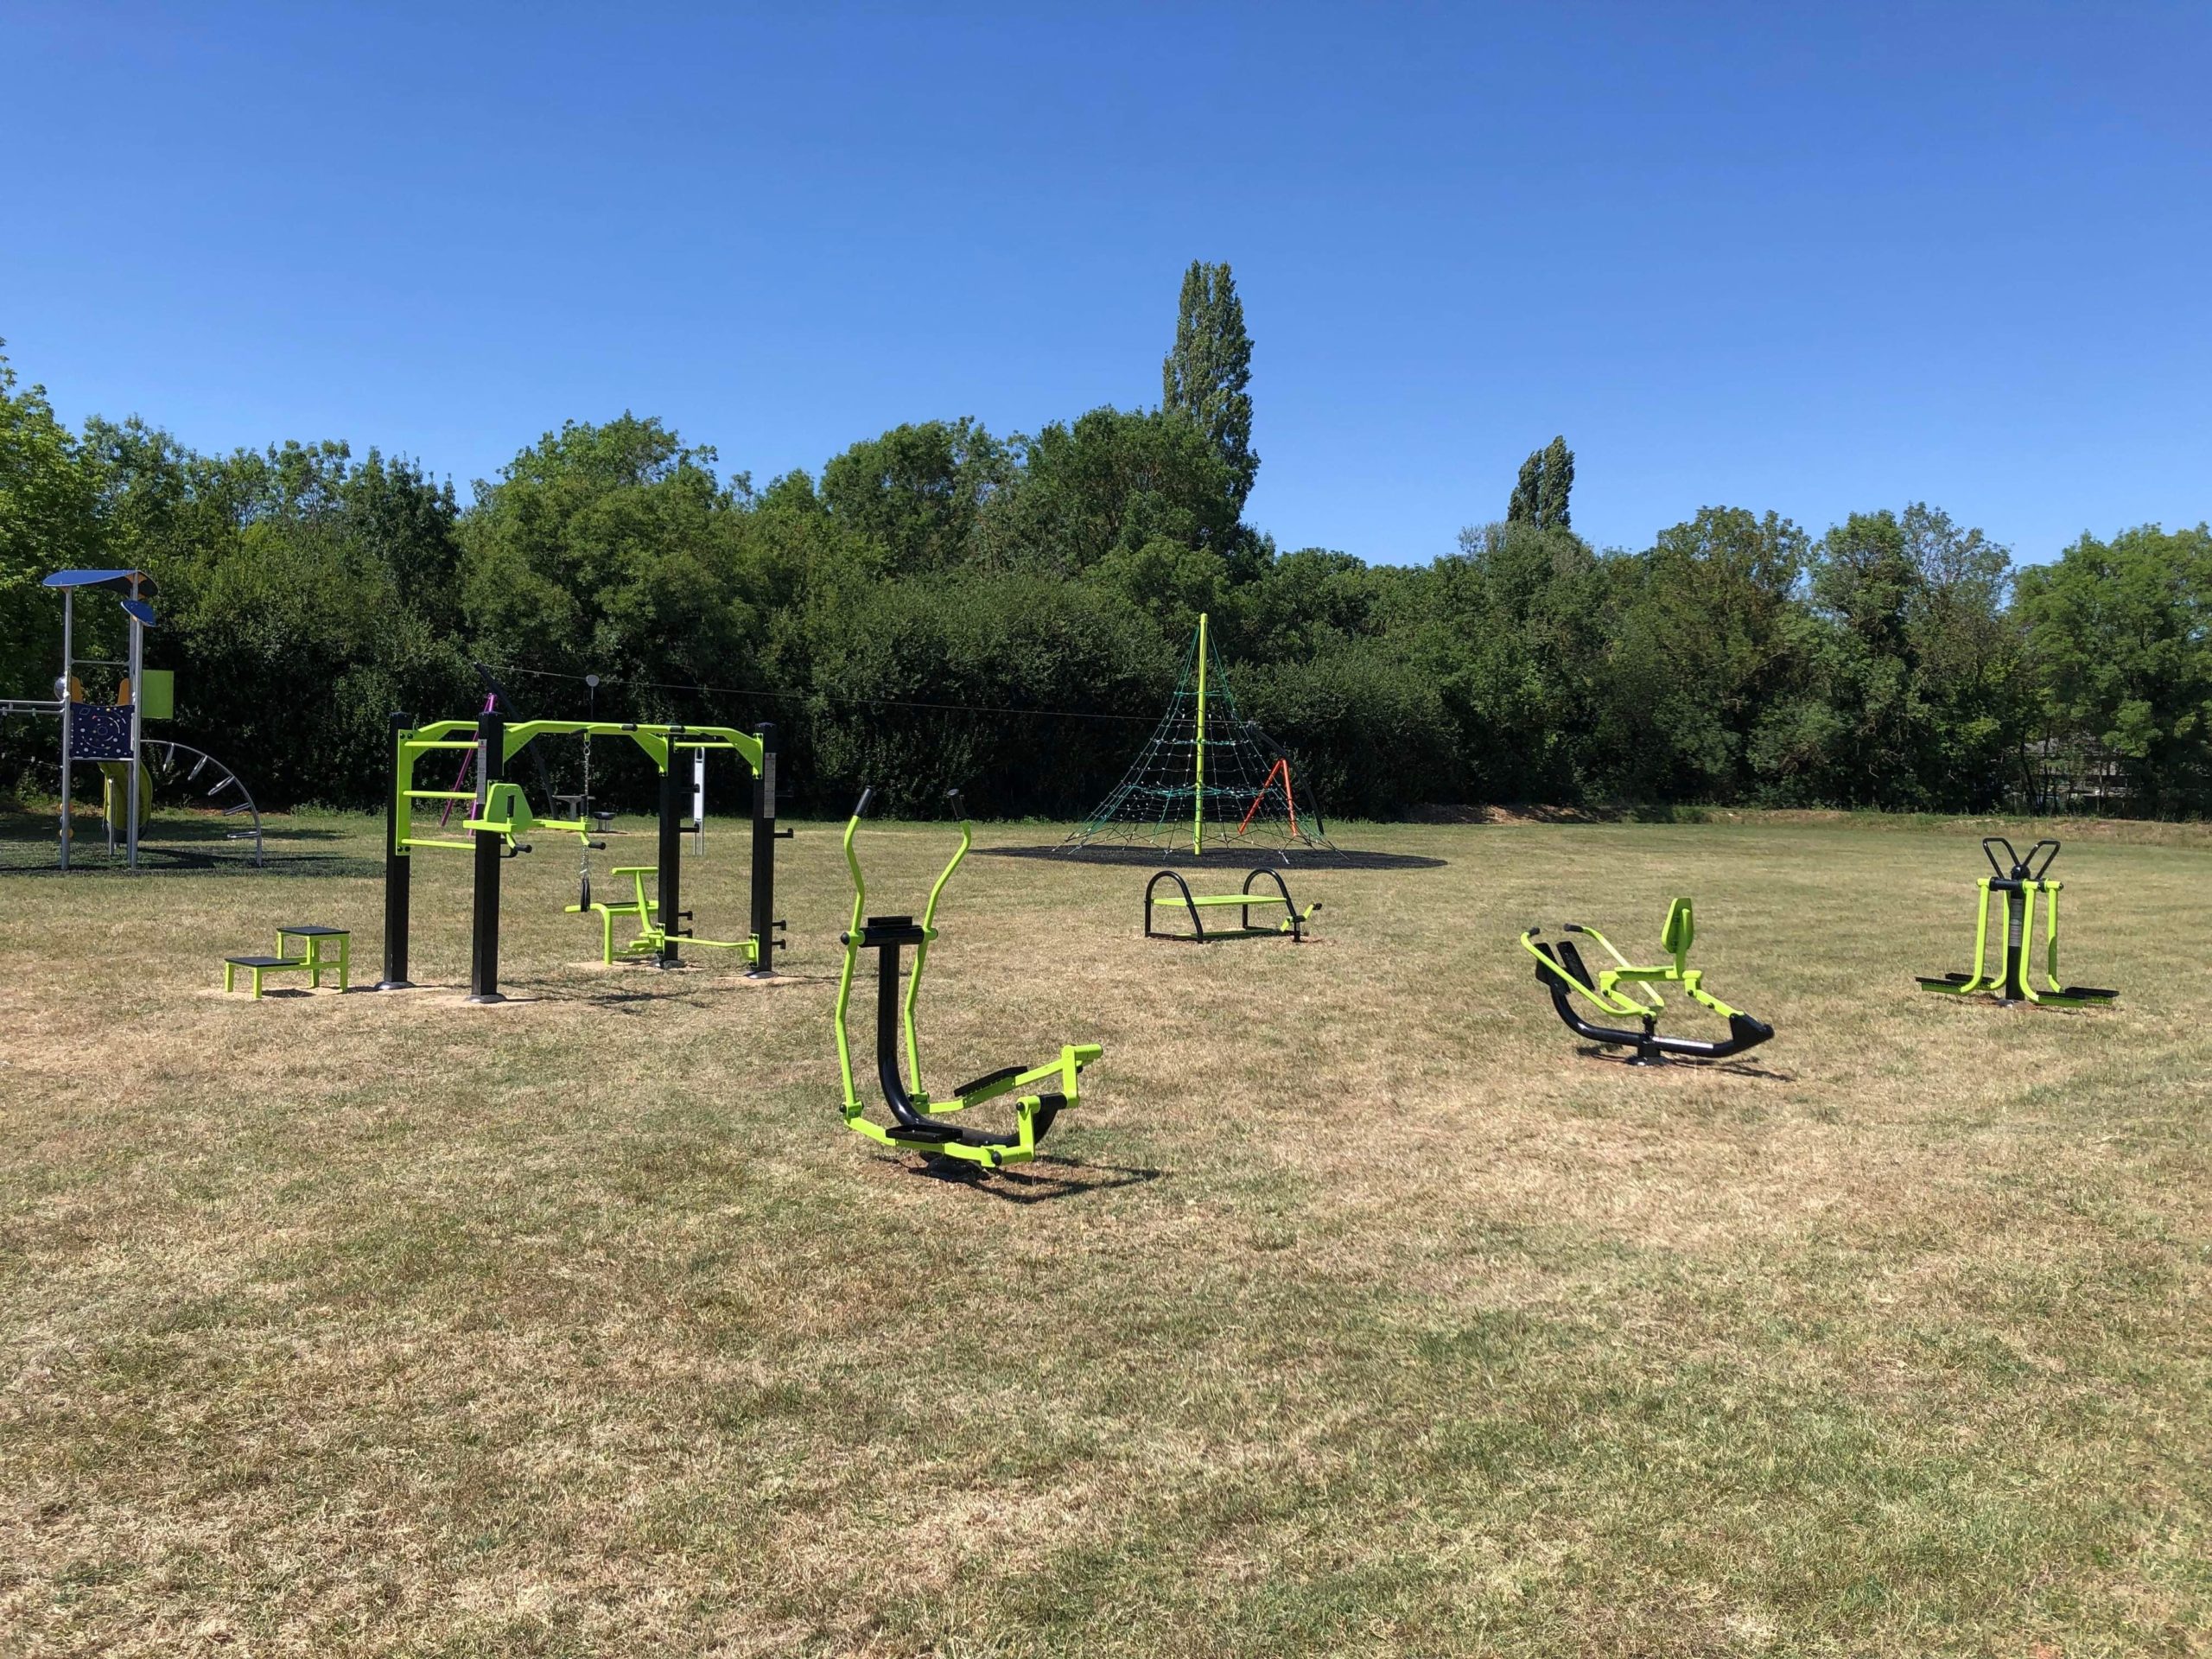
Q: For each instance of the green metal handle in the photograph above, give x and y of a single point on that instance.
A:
(852, 958)
(922, 950)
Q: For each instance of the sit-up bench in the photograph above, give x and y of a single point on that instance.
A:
(1293, 921)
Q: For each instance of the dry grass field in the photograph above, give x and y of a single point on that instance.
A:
(1358, 1310)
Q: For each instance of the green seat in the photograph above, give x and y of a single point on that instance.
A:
(1675, 937)
(645, 910)
(654, 932)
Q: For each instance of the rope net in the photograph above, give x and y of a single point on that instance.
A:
(1207, 779)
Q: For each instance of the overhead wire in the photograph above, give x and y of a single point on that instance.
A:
(833, 696)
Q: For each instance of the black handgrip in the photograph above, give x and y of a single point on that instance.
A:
(867, 794)
(959, 810)
(1988, 842)
(2037, 873)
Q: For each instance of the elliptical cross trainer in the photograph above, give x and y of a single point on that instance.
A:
(916, 1114)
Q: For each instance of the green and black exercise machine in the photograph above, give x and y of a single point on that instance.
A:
(2018, 880)
(1293, 921)
(500, 818)
(1039, 1093)
(506, 813)
(1560, 970)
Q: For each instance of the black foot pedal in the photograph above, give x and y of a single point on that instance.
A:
(924, 1134)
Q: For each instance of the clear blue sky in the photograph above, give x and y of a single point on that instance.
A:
(1810, 264)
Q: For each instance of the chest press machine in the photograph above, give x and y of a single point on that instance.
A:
(1039, 1093)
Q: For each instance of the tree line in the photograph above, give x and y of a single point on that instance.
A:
(942, 604)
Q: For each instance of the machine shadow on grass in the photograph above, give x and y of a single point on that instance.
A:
(1678, 1062)
(1036, 1183)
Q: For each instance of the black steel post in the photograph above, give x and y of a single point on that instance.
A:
(397, 866)
(764, 855)
(2016, 969)
(483, 927)
(669, 861)
(886, 1019)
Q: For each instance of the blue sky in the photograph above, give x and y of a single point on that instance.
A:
(1810, 264)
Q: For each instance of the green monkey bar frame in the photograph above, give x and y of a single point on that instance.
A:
(916, 1124)
(500, 816)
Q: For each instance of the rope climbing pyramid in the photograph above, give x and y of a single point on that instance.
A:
(1207, 781)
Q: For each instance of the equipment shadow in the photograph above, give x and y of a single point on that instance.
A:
(1689, 1062)
(1029, 1187)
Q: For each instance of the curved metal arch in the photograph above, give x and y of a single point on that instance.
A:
(215, 785)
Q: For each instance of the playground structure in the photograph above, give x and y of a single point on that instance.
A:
(914, 1110)
(1294, 922)
(499, 816)
(1560, 970)
(112, 736)
(1207, 776)
(2018, 881)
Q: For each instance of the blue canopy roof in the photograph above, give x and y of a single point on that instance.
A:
(117, 579)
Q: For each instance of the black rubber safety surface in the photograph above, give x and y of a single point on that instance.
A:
(1221, 858)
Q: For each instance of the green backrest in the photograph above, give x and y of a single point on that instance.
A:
(1681, 929)
(506, 809)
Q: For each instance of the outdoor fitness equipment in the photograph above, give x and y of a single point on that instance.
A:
(584, 806)
(1560, 969)
(652, 938)
(499, 816)
(312, 959)
(914, 1110)
(112, 735)
(2019, 879)
(1294, 922)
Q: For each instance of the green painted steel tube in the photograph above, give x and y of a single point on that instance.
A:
(2051, 936)
(921, 958)
(852, 958)
(1198, 755)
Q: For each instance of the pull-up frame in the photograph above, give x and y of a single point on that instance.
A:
(496, 741)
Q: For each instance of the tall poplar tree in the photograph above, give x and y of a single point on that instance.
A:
(1527, 490)
(1205, 375)
(1540, 494)
(1559, 484)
